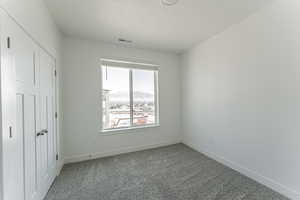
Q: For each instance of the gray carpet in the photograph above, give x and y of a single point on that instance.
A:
(169, 173)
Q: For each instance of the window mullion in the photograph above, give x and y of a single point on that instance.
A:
(156, 98)
(131, 96)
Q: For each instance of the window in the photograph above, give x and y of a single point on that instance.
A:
(129, 95)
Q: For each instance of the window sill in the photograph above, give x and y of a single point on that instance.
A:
(125, 130)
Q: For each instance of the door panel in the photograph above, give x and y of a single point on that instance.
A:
(25, 68)
(30, 146)
(42, 156)
(51, 133)
(26, 125)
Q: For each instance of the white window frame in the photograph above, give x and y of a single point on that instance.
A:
(131, 66)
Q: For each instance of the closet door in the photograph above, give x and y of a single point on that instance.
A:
(46, 142)
(12, 138)
(27, 112)
(27, 93)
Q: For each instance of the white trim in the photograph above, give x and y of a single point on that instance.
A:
(130, 97)
(129, 64)
(156, 99)
(282, 189)
(125, 130)
(60, 165)
(83, 157)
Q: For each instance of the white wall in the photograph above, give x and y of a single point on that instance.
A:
(81, 100)
(241, 97)
(34, 17)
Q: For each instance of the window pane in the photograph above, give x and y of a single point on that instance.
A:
(116, 98)
(143, 97)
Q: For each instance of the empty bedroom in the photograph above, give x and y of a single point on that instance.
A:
(150, 100)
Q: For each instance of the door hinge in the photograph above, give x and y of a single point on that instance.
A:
(8, 42)
(10, 132)
(56, 156)
(56, 115)
(55, 73)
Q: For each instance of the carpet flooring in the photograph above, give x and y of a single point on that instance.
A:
(174, 172)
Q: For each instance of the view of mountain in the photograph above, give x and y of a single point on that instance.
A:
(122, 96)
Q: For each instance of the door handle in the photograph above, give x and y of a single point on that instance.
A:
(39, 134)
(44, 131)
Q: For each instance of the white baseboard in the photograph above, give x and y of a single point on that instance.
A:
(250, 173)
(83, 157)
(60, 165)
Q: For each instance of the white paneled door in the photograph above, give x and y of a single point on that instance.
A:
(30, 149)
(12, 141)
(46, 137)
(27, 106)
